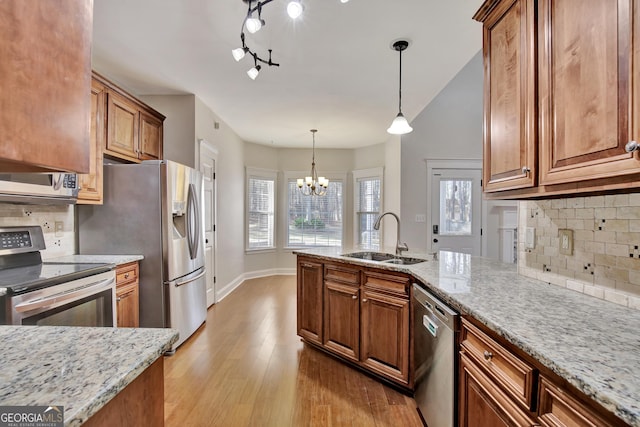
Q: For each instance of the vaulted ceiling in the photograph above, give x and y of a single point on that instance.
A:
(337, 70)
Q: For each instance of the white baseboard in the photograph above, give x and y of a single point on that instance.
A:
(231, 286)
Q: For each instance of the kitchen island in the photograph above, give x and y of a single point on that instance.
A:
(83, 369)
(590, 343)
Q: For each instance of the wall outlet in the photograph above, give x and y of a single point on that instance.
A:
(59, 228)
(530, 238)
(566, 241)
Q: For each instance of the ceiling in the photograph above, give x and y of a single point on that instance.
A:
(337, 70)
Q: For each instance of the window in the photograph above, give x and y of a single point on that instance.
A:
(367, 207)
(261, 196)
(315, 220)
(455, 207)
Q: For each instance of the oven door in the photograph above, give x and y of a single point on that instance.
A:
(89, 301)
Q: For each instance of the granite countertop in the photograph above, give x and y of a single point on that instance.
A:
(76, 367)
(109, 259)
(592, 343)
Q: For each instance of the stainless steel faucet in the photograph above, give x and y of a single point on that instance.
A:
(399, 246)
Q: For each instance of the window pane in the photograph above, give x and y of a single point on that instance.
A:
(367, 210)
(455, 206)
(261, 202)
(315, 220)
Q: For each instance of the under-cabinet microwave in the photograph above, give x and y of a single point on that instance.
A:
(39, 188)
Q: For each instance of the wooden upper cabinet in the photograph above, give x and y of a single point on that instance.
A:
(509, 95)
(586, 89)
(91, 183)
(122, 134)
(150, 137)
(45, 78)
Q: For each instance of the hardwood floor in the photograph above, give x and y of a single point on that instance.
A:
(247, 367)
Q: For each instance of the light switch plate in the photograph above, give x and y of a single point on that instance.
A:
(530, 238)
(566, 241)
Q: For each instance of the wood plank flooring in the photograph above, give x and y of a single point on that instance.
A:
(247, 367)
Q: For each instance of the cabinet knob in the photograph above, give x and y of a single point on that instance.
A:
(126, 275)
(487, 355)
(364, 300)
(354, 297)
(119, 299)
(525, 170)
(632, 146)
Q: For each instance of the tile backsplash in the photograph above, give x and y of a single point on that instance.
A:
(58, 244)
(605, 234)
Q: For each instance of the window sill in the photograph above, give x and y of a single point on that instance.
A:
(259, 251)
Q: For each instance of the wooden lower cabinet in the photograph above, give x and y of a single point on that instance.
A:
(128, 295)
(365, 316)
(385, 335)
(483, 404)
(309, 305)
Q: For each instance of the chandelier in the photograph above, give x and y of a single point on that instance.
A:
(313, 185)
(253, 22)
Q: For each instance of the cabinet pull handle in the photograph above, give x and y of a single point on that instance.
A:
(525, 170)
(354, 297)
(487, 355)
(364, 300)
(632, 146)
(307, 265)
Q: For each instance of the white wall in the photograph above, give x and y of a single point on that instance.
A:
(178, 130)
(450, 127)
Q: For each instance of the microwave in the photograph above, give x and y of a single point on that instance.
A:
(39, 188)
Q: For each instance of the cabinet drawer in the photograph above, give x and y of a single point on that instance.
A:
(514, 375)
(388, 283)
(558, 409)
(342, 274)
(126, 273)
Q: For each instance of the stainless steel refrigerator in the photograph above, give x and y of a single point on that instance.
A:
(154, 209)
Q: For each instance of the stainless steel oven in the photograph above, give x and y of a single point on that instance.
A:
(89, 301)
(33, 292)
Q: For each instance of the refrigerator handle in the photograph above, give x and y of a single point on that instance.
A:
(193, 213)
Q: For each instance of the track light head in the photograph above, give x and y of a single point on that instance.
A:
(295, 9)
(253, 73)
(239, 53)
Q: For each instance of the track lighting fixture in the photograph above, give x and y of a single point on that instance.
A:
(253, 22)
(313, 185)
(400, 125)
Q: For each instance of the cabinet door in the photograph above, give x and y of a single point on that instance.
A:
(45, 75)
(91, 183)
(385, 334)
(150, 137)
(342, 319)
(122, 131)
(309, 322)
(127, 305)
(509, 96)
(585, 89)
(482, 403)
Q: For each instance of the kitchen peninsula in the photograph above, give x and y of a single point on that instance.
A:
(584, 344)
(99, 375)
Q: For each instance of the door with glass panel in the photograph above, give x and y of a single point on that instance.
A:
(456, 210)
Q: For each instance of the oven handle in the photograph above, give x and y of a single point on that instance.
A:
(67, 296)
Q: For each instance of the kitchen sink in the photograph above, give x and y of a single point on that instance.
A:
(384, 257)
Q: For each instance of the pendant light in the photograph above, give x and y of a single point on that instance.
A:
(400, 125)
(313, 185)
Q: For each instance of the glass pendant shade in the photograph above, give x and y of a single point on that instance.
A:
(253, 73)
(253, 25)
(238, 53)
(399, 126)
(294, 9)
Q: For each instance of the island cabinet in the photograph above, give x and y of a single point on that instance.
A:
(361, 315)
(561, 97)
(45, 75)
(128, 295)
(498, 387)
(309, 304)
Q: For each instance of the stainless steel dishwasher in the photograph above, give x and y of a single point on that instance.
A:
(434, 328)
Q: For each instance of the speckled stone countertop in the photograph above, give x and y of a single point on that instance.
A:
(79, 368)
(109, 259)
(593, 344)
